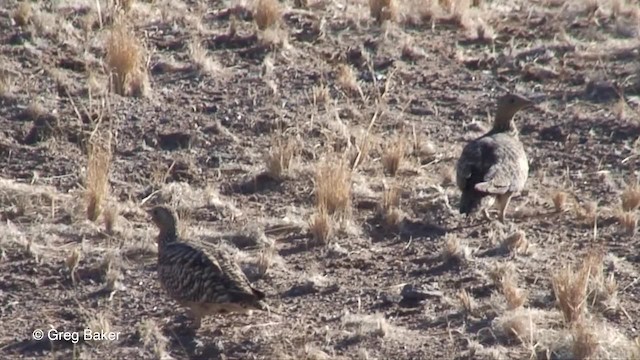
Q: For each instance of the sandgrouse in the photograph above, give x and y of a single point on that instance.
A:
(202, 283)
(495, 165)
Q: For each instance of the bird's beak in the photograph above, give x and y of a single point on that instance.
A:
(535, 101)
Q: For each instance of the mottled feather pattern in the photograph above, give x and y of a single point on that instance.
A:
(495, 164)
(189, 274)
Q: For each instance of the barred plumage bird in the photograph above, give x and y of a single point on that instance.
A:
(495, 165)
(202, 282)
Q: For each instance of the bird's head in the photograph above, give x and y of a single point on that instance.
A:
(513, 102)
(163, 217)
(508, 105)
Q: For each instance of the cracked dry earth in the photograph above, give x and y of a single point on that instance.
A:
(198, 141)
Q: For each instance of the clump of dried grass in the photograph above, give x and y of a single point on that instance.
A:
(98, 168)
(346, 79)
(72, 262)
(320, 95)
(628, 220)
(333, 187)
(559, 199)
(458, 11)
(383, 10)
(152, 338)
(23, 13)
(266, 13)
(602, 289)
(394, 155)
(514, 296)
(501, 272)
(389, 209)
(201, 61)
(467, 303)
(585, 341)
(517, 325)
(125, 61)
(110, 216)
(630, 197)
(570, 287)
(516, 243)
(265, 259)
(454, 251)
(321, 226)
(125, 5)
(279, 159)
(588, 213)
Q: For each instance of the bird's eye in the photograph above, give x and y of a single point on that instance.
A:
(512, 100)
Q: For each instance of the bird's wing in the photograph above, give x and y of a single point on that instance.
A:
(196, 276)
(501, 175)
(238, 284)
(475, 163)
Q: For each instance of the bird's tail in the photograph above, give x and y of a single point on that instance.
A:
(470, 201)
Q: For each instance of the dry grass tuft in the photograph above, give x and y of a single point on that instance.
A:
(585, 341)
(514, 296)
(72, 262)
(347, 80)
(394, 155)
(588, 213)
(457, 10)
(99, 323)
(110, 217)
(124, 4)
(201, 61)
(266, 13)
(501, 272)
(454, 251)
(467, 303)
(570, 287)
(23, 13)
(321, 226)
(383, 10)
(630, 197)
(320, 95)
(389, 209)
(98, 167)
(602, 290)
(333, 187)
(153, 339)
(516, 243)
(124, 60)
(265, 260)
(559, 199)
(628, 220)
(278, 160)
(518, 325)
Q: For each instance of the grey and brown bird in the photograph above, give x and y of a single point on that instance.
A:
(205, 283)
(494, 167)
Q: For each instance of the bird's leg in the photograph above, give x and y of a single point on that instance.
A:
(503, 203)
(196, 318)
(485, 212)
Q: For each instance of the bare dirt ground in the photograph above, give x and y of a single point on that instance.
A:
(242, 128)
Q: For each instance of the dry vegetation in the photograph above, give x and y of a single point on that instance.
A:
(316, 142)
